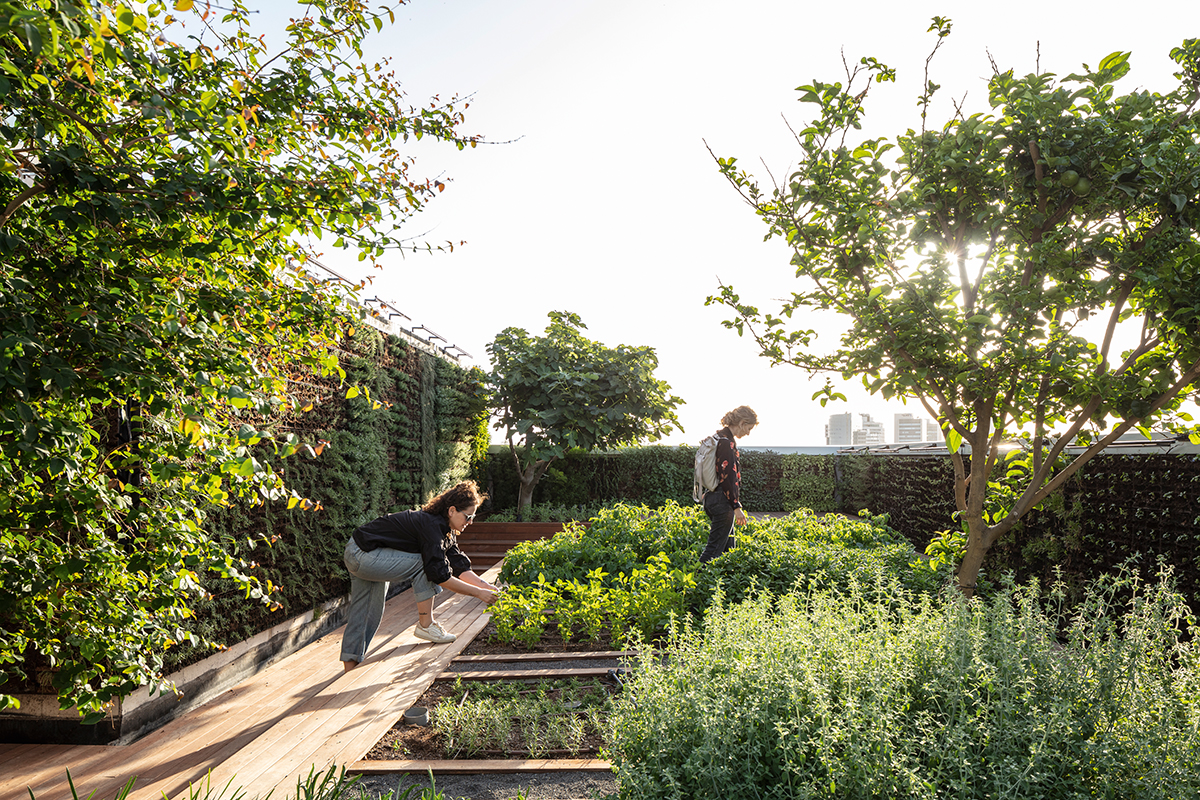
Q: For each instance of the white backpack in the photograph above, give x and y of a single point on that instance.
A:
(706, 467)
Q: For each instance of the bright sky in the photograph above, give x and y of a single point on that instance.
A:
(606, 202)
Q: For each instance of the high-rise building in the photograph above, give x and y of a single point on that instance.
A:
(933, 432)
(909, 429)
(839, 429)
(871, 432)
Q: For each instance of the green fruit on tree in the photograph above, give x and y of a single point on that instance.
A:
(1069, 178)
(1082, 187)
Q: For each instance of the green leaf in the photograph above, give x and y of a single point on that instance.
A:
(33, 38)
(1114, 60)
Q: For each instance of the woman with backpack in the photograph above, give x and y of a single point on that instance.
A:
(417, 546)
(723, 504)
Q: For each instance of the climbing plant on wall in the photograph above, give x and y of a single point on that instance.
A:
(369, 464)
(161, 173)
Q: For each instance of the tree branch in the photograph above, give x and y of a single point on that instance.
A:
(1118, 304)
(21, 199)
(1185, 380)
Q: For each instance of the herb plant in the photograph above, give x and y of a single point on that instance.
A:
(882, 692)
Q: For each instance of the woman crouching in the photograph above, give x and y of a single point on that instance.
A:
(417, 546)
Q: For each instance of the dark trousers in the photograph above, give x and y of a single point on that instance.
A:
(720, 536)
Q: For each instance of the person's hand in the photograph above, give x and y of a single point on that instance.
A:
(739, 517)
(488, 596)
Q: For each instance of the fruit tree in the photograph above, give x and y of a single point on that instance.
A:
(562, 391)
(990, 267)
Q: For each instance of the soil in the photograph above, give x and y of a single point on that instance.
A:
(421, 743)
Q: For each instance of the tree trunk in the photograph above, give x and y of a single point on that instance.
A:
(977, 547)
(529, 479)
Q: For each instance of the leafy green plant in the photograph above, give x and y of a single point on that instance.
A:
(945, 551)
(619, 538)
(519, 613)
(634, 568)
(832, 551)
(159, 195)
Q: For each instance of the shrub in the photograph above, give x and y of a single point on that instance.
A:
(830, 695)
(634, 568)
(830, 551)
(620, 538)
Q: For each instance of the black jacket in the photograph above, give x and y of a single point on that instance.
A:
(417, 532)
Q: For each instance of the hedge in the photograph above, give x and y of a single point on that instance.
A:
(1119, 507)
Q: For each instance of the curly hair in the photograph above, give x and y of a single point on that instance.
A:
(739, 415)
(461, 496)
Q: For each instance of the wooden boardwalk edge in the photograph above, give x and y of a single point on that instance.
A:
(299, 714)
(556, 656)
(480, 766)
(525, 674)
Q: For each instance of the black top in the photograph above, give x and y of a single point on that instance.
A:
(417, 532)
(729, 474)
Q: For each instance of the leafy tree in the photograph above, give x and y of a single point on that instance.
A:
(154, 201)
(974, 261)
(563, 391)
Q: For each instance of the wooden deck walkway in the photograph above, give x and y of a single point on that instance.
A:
(300, 713)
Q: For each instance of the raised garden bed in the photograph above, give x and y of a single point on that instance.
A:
(505, 719)
(486, 543)
(551, 641)
(542, 733)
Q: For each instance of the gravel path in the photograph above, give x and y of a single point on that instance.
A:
(497, 786)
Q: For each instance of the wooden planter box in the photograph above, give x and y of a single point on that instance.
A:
(486, 543)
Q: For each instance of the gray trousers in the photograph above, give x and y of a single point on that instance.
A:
(370, 574)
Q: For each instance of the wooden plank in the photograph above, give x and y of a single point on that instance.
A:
(183, 751)
(10, 750)
(186, 748)
(259, 764)
(546, 656)
(485, 528)
(356, 744)
(312, 746)
(296, 707)
(360, 733)
(44, 766)
(241, 761)
(49, 774)
(525, 674)
(480, 766)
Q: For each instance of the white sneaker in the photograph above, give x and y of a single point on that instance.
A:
(434, 633)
